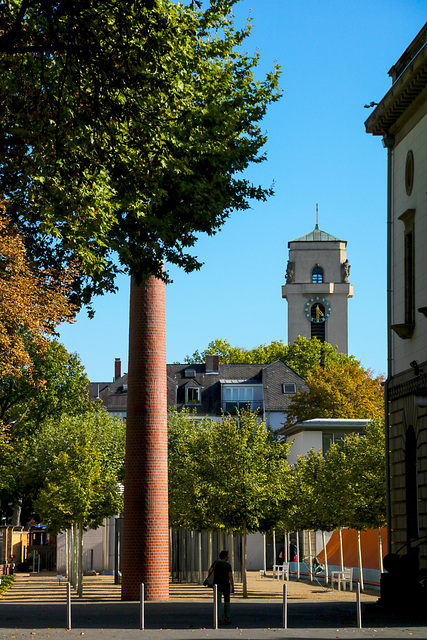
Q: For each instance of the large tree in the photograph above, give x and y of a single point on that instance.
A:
(125, 132)
(125, 129)
(57, 385)
(81, 459)
(229, 474)
(342, 390)
(32, 303)
(303, 355)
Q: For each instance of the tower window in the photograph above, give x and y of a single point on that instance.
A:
(317, 274)
(318, 331)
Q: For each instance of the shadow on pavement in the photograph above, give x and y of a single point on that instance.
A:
(198, 615)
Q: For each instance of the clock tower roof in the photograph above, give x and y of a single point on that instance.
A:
(317, 236)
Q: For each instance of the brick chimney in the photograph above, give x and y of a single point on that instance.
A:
(145, 548)
(117, 368)
(212, 364)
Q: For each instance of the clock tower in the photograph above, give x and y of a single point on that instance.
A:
(317, 288)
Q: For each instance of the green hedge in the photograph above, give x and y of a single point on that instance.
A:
(6, 582)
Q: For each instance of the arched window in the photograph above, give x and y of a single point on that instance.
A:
(317, 274)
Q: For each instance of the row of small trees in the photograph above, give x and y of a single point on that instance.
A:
(233, 475)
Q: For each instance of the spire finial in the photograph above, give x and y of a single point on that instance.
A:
(317, 216)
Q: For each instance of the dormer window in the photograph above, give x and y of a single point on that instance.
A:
(193, 395)
(289, 388)
(317, 274)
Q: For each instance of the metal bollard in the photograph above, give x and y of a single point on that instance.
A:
(141, 607)
(215, 599)
(285, 606)
(68, 606)
(359, 606)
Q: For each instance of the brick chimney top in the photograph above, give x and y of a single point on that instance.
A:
(117, 368)
(212, 364)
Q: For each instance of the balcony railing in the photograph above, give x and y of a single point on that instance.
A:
(231, 406)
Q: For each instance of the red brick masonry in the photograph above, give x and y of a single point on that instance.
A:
(145, 533)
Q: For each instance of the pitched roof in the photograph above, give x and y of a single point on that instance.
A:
(317, 236)
(274, 375)
(271, 377)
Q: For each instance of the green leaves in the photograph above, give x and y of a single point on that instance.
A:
(121, 124)
(226, 473)
(344, 488)
(83, 459)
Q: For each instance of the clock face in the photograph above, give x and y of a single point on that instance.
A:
(317, 309)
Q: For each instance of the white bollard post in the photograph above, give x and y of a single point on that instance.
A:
(285, 606)
(359, 606)
(215, 618)
(68, 606)
(141, 607)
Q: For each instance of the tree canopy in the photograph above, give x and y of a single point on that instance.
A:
(303, 355)
(82, 460)
(57, 385)
(32, 303)
(125, 130)
(227, 474)
(343, 488)
(342, 390)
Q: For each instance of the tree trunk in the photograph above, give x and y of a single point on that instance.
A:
(199, 541)
(16, 515)
(145, 525)
(341, 550)
(310, 558)
(274, 548)
(232, 550)
(264, 539)
(80, 562)
(67, 552)
(359, 557)
(210, 549)
(74, 560)
(326, 556)
(244, 558)
(380, 552)
(298, 557)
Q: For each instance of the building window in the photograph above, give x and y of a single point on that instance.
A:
(409, 265)
(289, 387)
(193, 395)
(329, 438)
(318, 330)
(239, 398)
(317, 274)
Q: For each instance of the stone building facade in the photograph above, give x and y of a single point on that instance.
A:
(401, 119)
(317, 289)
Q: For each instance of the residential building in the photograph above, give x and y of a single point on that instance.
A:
(400, 119)
(212, 388)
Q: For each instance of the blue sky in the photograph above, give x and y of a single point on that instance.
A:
(334, 58)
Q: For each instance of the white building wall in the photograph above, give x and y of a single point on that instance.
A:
(275, 419)
(100, 541)
(302, 442)
(407, 350)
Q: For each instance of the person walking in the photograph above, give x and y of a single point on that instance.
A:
(223, 578)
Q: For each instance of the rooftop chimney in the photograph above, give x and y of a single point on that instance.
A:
(212, 364)
(117, 368)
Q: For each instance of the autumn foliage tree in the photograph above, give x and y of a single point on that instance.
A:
(32, 302)
(342, 390)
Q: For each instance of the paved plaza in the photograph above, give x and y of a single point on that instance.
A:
(35, 608)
